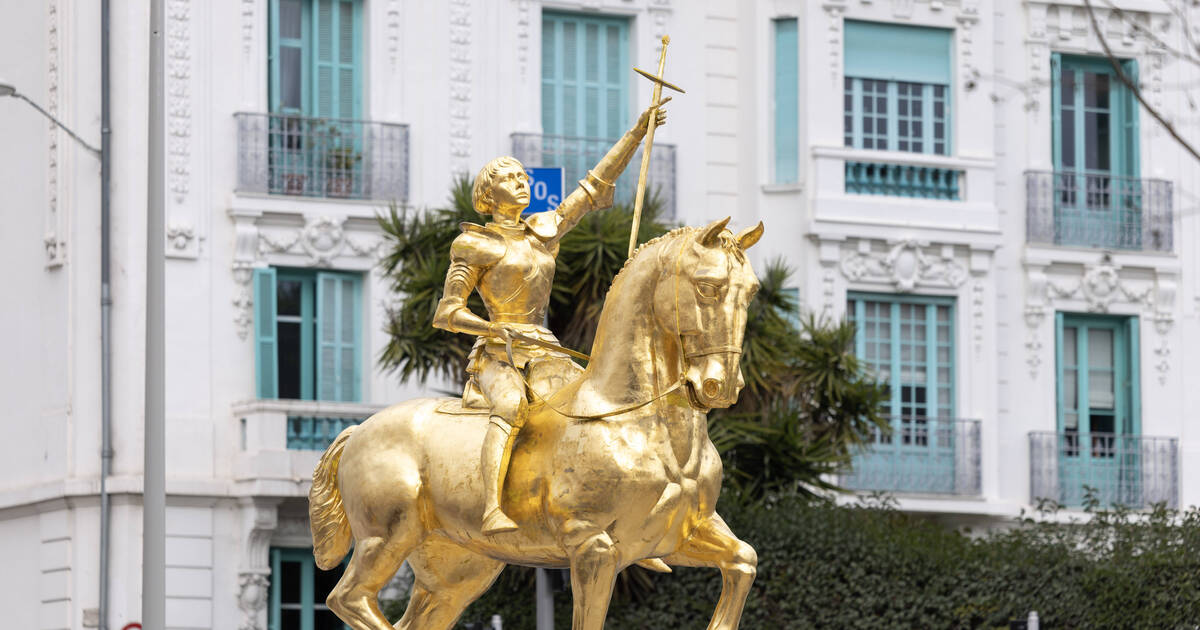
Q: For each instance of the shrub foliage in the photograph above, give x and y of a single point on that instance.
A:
(870, 566)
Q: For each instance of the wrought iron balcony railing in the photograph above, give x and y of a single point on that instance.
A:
(902, 180)
(1099, 210)
(577, 155)
(1129, 470)
(284, 154)
(920, 456)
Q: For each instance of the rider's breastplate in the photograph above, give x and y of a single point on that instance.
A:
(516, 289)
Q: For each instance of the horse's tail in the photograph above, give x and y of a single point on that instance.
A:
(330, 528)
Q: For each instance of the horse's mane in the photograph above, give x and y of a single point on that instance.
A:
(728, 243)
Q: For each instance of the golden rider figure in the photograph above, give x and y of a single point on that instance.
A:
(510, 262)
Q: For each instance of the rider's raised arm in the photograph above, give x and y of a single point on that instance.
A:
(471, 254)
(595, 191)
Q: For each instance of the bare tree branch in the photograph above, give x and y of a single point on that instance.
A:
(1137, 92)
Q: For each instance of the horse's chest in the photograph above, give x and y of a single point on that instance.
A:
(679, 448)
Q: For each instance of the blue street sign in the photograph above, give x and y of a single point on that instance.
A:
(545, 188)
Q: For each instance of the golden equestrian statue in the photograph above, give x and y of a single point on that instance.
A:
(540, 463)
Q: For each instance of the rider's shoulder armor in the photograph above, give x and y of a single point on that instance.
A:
(544, 225)
(477, 245)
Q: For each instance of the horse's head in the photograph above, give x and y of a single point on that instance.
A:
(707, 285)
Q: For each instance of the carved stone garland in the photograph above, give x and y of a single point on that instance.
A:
(1101, 286)
(905, 265)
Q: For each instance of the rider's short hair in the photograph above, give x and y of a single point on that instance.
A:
(481, 193)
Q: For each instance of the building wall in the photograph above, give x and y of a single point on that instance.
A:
(464, 75)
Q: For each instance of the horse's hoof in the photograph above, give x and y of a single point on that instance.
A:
(497, 522)
(654, 564)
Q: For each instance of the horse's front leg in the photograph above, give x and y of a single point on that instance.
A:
(714, 545)
(593, 573)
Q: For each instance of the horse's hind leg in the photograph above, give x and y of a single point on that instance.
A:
(714, 545)
(355, 598)
(447, 578)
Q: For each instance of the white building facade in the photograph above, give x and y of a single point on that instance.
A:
(969, 180)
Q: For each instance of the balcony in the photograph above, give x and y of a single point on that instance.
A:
(1099, 211)
(282, 439)
(283, 154)
(578, 155)
(1133, 471)
(920, 456)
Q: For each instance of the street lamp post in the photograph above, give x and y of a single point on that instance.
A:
(103, 153)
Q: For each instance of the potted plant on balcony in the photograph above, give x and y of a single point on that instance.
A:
(340, 170)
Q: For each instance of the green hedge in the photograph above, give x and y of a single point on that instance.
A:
(824, 566)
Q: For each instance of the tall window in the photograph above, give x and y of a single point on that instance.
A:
(316, 58)
(787, 101)
(1098, 401)
(908, 343)
(897, 88)
(1098, 197)
(308, 334)
(298, 592)
(585, 88)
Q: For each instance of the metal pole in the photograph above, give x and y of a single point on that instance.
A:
(545, 601)
(106, 452)
(154, 475)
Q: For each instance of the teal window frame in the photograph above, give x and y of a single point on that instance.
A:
(308, 603)
(938, 358)
(897, 92)
(331, 58)
(327, 342)
(787, 101)
(1107, 461)
(568, 76)
(1126, 370)
(1123, 153)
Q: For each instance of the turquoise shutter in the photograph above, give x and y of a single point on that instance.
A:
(266, 358)
(336, 32)
(1056, 121)
(551, 34)
(787, 101)
(287, 51)
(1129, 120)
(338, 337)
(1135, 378)
(895, 52)
(585, 75)
(1058, 371)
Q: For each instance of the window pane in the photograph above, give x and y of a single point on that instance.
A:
(1067, 130)
(1095, 90)
(289, 360)
(1067, 93)
(1100, 348)
(289, 77)
(324, 581)
(288, 297)
(1069, 349)
(289, 582)
(289, 19)
(1096, 140)
(326, 620)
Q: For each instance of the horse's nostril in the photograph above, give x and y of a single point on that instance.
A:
(712, 387)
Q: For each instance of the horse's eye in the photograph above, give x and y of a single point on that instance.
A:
(708, 290)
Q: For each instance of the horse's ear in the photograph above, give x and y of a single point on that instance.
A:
(749, 236)
(708, 237)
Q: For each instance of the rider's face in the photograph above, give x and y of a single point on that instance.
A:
(510, 192)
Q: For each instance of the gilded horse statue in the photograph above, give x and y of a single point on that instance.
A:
(615, 468)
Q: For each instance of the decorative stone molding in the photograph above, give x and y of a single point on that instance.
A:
(183, 236)
(1102, 286)
(902, 9)
(660, 11)
(524, 35)
(393, 32)
(248, 27)
(253, 590)
(835, 10)
(906, 265)
(967, 18)
(259, 521)
(460, 85)
(264, 239)
(55, 246)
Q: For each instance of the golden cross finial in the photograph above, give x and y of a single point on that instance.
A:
(659, 82)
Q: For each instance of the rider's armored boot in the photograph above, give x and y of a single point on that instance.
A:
(497, 447)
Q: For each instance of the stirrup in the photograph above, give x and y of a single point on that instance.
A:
(497, 522)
